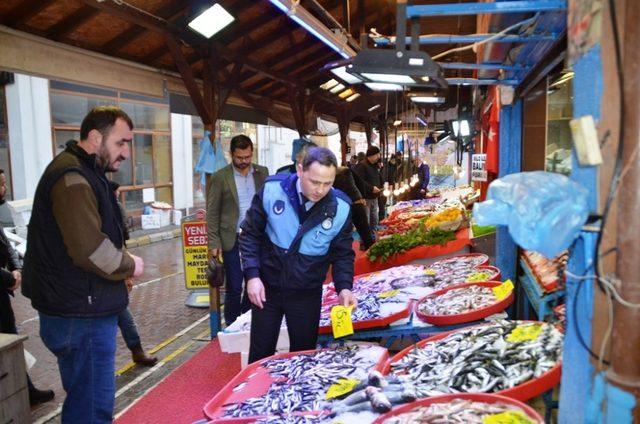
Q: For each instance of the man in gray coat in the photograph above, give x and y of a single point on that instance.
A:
(230, 193)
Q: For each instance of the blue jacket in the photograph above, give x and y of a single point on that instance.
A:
(423, 174)
(287, 255)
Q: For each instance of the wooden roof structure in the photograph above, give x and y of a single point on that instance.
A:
(263, 57)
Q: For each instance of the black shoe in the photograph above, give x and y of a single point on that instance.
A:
(40, 396)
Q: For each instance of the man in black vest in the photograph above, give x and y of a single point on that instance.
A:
(76, 265)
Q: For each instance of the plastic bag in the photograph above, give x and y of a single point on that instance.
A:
(544, 211)
(210, 161)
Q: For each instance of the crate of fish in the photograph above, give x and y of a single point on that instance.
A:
(462, 303)
(517, 359)
(298, 384)
(468, 408)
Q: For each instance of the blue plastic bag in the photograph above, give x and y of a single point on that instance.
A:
(210, 161)
(544, 211)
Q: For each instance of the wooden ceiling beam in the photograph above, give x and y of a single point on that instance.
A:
(69, 24)
(24, 11)
(253, 25)
(170, 12)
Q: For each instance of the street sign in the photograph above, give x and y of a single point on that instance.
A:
(194, 244)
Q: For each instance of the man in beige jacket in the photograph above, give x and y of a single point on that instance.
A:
(229, 196)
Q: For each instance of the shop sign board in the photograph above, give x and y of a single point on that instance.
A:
(479, 167)
(194, 245)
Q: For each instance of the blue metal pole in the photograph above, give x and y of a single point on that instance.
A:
(455, 9)
(462, 39)
(510, 163)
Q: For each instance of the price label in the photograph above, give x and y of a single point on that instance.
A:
(342, 387)
(477, 276)
(503, 290)
(430, 271)
(509, 417)
(524, 333)
(389, 293)
(341, 321)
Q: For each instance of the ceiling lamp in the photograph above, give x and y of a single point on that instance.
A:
(383, 86)
(300, 15)
(353, 97)
(329, 84)
(427, 99)
(372, 108)
(397, 122)
(341, 72)
(211, 20)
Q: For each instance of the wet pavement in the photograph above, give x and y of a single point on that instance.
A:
(166, 326)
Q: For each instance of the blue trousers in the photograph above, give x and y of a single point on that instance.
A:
(128, 329)
(85, 349)
(235, 304)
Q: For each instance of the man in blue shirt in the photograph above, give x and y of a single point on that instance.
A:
(230, 193)
(296, 227)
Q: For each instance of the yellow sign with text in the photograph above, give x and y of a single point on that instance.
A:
(194, 246)
(525, 333)
(342, 387)
(509, 417)
(503, 290)
(341, 321)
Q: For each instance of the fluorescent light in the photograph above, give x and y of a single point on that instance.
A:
(381, 86)
(397, 122)
(342, 73)
(416, 61)
(346, 93)
(353, 97)
(427, 99)
(306, 20)
(372, 108)
(401, 79)
(456, 127)
(211, 20)
(464, 128)
(422, 121)
(426, 79)
(329, 84)
(337, 88)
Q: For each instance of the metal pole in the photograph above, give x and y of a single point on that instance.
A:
(401, 25)
(625, 367)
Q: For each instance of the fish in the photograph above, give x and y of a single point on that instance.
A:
(457, 411)
(480, 360)
(458, 301)
(379, 401)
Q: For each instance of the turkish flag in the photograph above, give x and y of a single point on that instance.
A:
(493, 136)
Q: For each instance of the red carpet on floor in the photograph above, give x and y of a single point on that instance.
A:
(180, 397)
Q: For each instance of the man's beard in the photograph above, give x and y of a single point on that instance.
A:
(104, 160)
(241, 165)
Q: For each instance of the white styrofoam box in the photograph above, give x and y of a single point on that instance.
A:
(177, 217)
(150, 222)
(21, 211)
(235, 338)
(164, 214)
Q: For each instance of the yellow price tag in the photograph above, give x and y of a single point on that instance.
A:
(525, 332)
(389, 293)
(341, 321)
(503, 290)
(342, 387)
(509, 417)
(477, 276)
(430, 271)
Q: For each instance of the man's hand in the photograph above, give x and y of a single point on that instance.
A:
(255, 290)
(18, 277)
(214, 253)
(129, 283)
(139, 265)
(346, 298)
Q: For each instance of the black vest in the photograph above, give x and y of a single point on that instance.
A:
(50, 279)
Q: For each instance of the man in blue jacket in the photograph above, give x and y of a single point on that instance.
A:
(296, 227)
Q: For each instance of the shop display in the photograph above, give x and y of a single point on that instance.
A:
(549, 273)
(462, 303)
(297, 385)
(398, 243)
(449, 219)
(463, 408)
(497, 357)
(458, 301)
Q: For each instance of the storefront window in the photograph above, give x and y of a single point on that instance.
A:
(5, 158)
(559, 113)
(150, 162)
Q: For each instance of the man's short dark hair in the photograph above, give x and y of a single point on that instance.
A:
(322, 155)
(241, 142)
(102, 118)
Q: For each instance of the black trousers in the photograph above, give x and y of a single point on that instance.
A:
(301, 309)
(360, 219)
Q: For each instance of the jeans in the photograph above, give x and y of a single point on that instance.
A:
(128, 329)
(360, 219)
(301, 309)
(235, 303)
(85, 349)
(372, 208)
